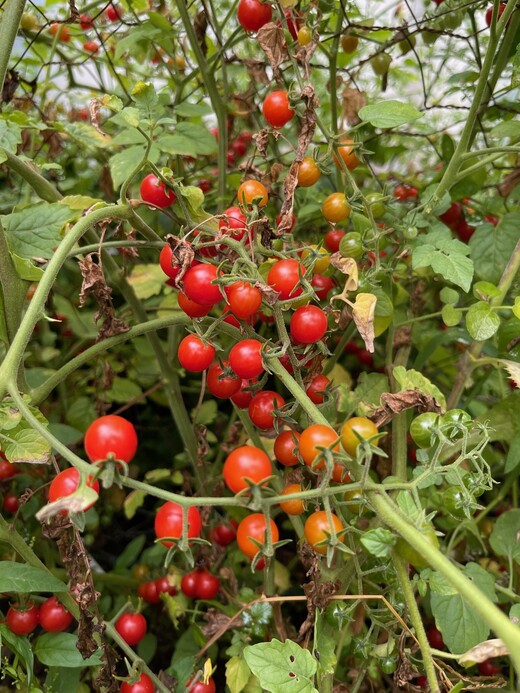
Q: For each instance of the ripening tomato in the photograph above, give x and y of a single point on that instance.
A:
(61, 30)
(422, 429)
(154, 192)
(346, 152)
(318, 258)
(253, 14)
(199, 284)
(354, 430)
(245, 358)
(54, 617)
(7, 470)
(295, 506)
(304, 36)
(489, 13)
(244, 299)
(234, 224)
(144, 684)
(192, 308)
(194, 354)
(86, 22)
(252, 191)
(333, 239)
(316, 388)
(168, 522)
(254, 527)
(22, 620)
(309, 172)
(349, 43)
(336, 208)
(262, 407)
(111, 435)
(246, 462)
(276, 109)
(314, 437)
(284, 277)
(380, 63)
(285, 448)
(66, 483)
(91, 46)
(317, 529)
(308, 325)
(245, 394)
(340, 474)
(221, 382)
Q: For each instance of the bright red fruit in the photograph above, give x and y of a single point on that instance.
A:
(165, 260)
(86, 22)
(286, 447)
(284, 277)
(220, 385)
(464, 230)
(308, 324)
(246, 462)
(225, 533)
(164, 587)
(66, 483)
(244, 299)
(316, 388)
(54, 617)
(194, 354)
(7, 470)
(245, 394)
(201, 687)
(452, 215)
(235, 223)
(262, 406)
(22, 621)
(435, 638)
(154, 192)
(110, 435)
(131, 627)
(168, 522)
(143, 685)
(245, 358)
(11, 503)
(276, 109)
(192, 308)
(333, 239)
(489, 12)
(253, 14)
(149, 592)
(199, 287)
(113, 13)
(322, 285)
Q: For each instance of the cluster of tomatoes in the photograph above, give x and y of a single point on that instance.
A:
(23, 618)
(8, 471)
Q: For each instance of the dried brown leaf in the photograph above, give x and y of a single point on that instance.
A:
(94, 108)
(363, 313)
(257, 72)
(353, 101)
(200, 24)
(348, 266)
(217, 622)
(484, 650)
(395, 403)
(271, 38)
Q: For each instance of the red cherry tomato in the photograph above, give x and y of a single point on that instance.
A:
(285, 448)
(452, 215)
(143, 685)
(168, 522)
(225, 533)
(222, 385)
(253, 14)
(276, 109)
(110, 435)
(208, 585)
(22, 620)
(316, 388)
(254, 527)
(154, 192)
(164, 587)
(54, 617)
(199, 287)
(113, 13)
(335, 208)
(314, 437)
(245, 358)
(192, 308)
(194, 354)
(86, 22)
(66, 483)
(464, 230)
(149, 592)
(234, 224)
(435, 638)
(262, 406)
(308, 325)
(11, 503)
(7, 470)
(284, 277)
(201, 687)
(244, 299)
(489, 12)
(317, 529)
(61, 30)
(322, 285)
(132, 628)
(487, 668)
(333, 239)
(245, 462)
(244, 395)
(165, 260)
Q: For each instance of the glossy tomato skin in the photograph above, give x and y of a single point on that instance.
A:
(252, 191)
(489, 12)
(314, 437)
(168, 522)
(244, 299)
(254, 527)
(208, 585)
(253, 14)
(317, 527)
(11, 503)
(220, 385)
(149, 592)
(199, 287)
(111, 435)
(54, 617)
(7, 470)
(333, 239)
(66, 483)
(284, 277)
(346, 152)
(22, 621)
(234, 224)
(143, 685)
(192, 308)
(435, 638)
(335, 208)
(292, 507)
(225, 534)
(245, 462)
(322, 285)
(286, 447)
(262, 406)
(316, 388)
(422, 429)
(189, 584)
(357, 425)
(308, 325)
(201, 687)
(194, 354)
(113, 13)
(164, 587)
(165, 261)
(245, 358)
(132, 628)
(276, 109)
(308, 172)
(154, 192)
(245, 394)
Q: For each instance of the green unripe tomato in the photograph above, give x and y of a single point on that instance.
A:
(452, 502)
(28, 21)
(377, 206)
(351, 245)
(421, 429)
(338, 614)
(413, 557)
(349, 43)
(410, 232)
(388, 665)
(452, 421)
(380, 63)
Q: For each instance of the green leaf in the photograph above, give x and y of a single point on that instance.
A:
(207, 413)
(80, 321)
(123, 390)
(131, 552)
(503, 418)
(36, 230)
(65, 434)
(19, 577)
(191, 110)
(516, 307)
(189, 139)
(122, 163)
(59, 650)
(10, 136)
(446, 256)
(81, 413)
(80, 202)
(449, 296)
(282, 667)
(325, 643)
(513, 456)
(366, 395)
(147, 280)
(28, 447)
(482, 322)
(504, 537)
(84, 134)
(492, 246)
(237, 674)
(25, 268)
(130, 116)
(112, 102)
(389, 114)
(451, 316)
(379, 542)
(144, 95)
(63, 680)
(20, 646)
(413, 380)
(484, 291)
(507, 128)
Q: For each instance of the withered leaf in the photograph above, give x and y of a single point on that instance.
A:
(271, 38)
(94, 107)
(363, 313)
(484, 650)
(218, 622)
(200, 25)
(348, 266)
(353, 101)
(395, 403)
(256, 70)
(182, 255)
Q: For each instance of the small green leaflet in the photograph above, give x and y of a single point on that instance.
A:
(513, 456)
(237, 674)
(446, 256)
(36, 231)
(19, 577)
(379, 542)
(282, 667)
(482, 322)
(504, 537)
(59, 650)
(389, 114)
(492, 246)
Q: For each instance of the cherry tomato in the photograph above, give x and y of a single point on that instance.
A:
(66, 483)
(336, 208)
(86, 22)
(452, 215)
(254, 526)
(54, 617)
(349, 43)
(487, 668)
(225, 534)
(7, 470)
(292, 507)
(314, 437)
(165, 260)
(404, 192)
(351, 245)
(111, 435)
(201, 687)
(149, 592)
(192, 308)
(317, 387)
(221, 382)
(322, 285)
(131, 627)
(253, 14)
(244, 299)
(317, 529)
(422, 429)
(189, 584)
(380, 63)
(113, 13)
(164, 586)
(285, 447)
(333, 239)
(262, 407)
(154, 192)
(91, 46)
(245, 358)
(168, 522)
(245, 394)
(234, 224)
(199, 286)
(340, 473)
(194, 354)
(208, 585)
(304, 36)
(144, 684)
(308, 325)
(346, 151)
(409, 554)
(284, 277)
(309, 172)
(11, 503)
(61, 30)
(388, 665)
(453, 422)
(435, 638)
(488, 17)
(252, 190)
(464, 230)
(276, 109)
(22, 620)
(246, 462)
(293, 222)
(355, 429)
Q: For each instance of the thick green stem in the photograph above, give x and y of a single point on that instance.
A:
(38, 183)
(13, 10)
(13, 288)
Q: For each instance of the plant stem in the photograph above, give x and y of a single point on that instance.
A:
(13, 288)
(13, 10)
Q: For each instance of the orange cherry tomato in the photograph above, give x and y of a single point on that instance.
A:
(250, 190)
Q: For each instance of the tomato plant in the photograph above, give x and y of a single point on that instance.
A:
(246, 462)
(251, 533)
(111, 435)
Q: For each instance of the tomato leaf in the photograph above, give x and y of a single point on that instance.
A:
(379, 542)
(36, 230)
(504, 537)
(282, 667)
(482, 321)
(18, 577)
(389, 114)
(20, 646)
(237, 674)
(492, 246)
(446, 256)
(513, 456)
(59, 650)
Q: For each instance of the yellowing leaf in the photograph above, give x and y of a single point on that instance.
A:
(484, 650)
(363, 314)
(147, 280)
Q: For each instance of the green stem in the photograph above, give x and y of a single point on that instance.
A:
(399, 428)
(13, 288)
(13, 10)
(38, 183)
(415, 617)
